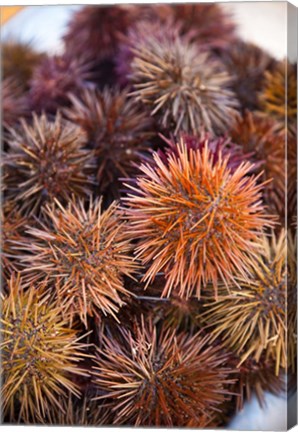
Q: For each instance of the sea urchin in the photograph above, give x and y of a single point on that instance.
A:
(162, 379)
(117, 131)
(184, 88)
(39, 353)
(252, 321)
(86, 254)
(46, 160)
(194, 219)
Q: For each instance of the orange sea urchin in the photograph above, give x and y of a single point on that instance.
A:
(194, 219)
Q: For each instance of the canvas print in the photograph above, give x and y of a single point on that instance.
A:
(149, 215)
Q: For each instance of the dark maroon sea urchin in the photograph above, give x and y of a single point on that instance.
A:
(210, 25)
(46, 160)
(117, 130)
(54, 78)
(247, 63)
(221, 147)
(97, 30)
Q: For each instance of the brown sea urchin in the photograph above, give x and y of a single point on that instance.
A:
(194, 219)
(162, 379)
(46, 160)
(247, 63)
(39, 353)
(183, 87)
(86, 254)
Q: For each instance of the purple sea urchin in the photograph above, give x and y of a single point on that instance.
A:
(54, 78)
(209, 24)
(139, 33)
(194, 219)
(218, 147)
(185, 89)
(46, 160)
(162, 379)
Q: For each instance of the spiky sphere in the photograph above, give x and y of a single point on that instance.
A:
(54, 78)
(14, 103)
(184, 88)
(97, 30)
(39, 353)
(86, 254)
(117, 131)
(194, 219)
(46, 160)
(258, 136)
(209, 24)
(252, 321)
(247, 63)
(275, 101)
(19, 60)
(157, 378)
